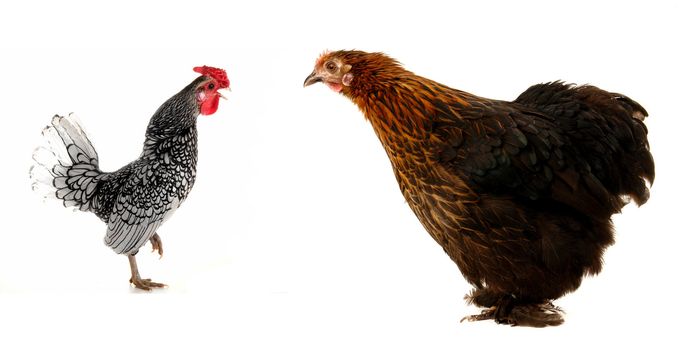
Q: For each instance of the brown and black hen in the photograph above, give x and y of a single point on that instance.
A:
(519, 194)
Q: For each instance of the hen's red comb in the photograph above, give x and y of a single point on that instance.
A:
(216, 73)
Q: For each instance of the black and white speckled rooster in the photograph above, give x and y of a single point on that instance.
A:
(136, 199)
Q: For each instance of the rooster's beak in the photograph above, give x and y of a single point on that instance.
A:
(222, 96)
(311, 79)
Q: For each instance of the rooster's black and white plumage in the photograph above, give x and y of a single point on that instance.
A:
(138, 198)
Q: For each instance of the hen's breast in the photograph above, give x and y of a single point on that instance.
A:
(436, 195)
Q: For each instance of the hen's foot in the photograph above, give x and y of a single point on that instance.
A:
(509, 311)
(534, 315)
(156, 244)
(486, 314)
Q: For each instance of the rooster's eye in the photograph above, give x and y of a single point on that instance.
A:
(211, 86)
(330, 66)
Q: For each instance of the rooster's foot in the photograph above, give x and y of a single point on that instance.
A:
(141, 283)
(156, 244)
(145, 283)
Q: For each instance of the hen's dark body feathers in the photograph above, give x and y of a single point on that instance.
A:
(546, 173)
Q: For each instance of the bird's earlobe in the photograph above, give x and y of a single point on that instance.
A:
(347, 79)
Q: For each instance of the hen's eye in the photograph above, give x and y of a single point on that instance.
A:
(331, 66)
(211, 86)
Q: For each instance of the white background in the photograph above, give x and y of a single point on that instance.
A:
(295, 235)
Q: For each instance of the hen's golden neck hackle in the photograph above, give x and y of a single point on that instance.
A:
(403, 109)
(398, 103)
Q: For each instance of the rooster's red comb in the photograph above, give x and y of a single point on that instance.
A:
(216, 73)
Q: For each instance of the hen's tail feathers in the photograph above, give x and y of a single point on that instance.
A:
(607, 128)
(67, 166)
(640, 161)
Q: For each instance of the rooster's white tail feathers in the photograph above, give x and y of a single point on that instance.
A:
(67, 166)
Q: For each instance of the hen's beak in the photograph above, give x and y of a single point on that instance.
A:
(311, 79)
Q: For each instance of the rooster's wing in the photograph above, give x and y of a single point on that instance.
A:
(143, 203)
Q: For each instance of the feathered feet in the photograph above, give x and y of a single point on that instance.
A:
(141, 283)
(506, 309)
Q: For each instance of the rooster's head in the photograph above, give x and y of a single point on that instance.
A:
(207, 86)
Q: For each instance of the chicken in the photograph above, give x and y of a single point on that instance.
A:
(138, 198)
(519, 194)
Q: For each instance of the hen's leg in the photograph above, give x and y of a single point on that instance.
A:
(507, 310)
(145, 284)
(484, 297)
(156, 244)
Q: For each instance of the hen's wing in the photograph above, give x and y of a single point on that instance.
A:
(143, 203)
(504, 149)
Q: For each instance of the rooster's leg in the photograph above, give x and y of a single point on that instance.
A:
(156, 244)
(145, 284)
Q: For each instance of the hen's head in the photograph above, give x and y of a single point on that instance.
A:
(205, 88)
(354, 72)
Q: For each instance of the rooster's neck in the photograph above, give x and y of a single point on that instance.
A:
(172, 131)
(181, 146)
